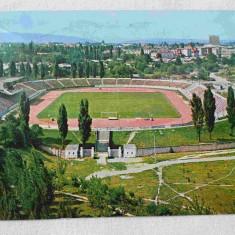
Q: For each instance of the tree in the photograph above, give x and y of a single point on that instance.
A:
(197, 114)
(42, 71)
(31, 47)
(178, 61)
(84, 121)
(87, 70)
(111, 51)
(73, 70)
(231, 109)
(24, 107)
(119, 52)
(80, 69)
(212, 58)
(141, 51)
(101, 69)
(28, 70)
(94, 70)
(22, 69)
(56, 70)
(12, 69)
(209, 110)
(62, 121)
(35, 69)
(1, 68)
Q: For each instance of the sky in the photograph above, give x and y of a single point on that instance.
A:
(113, 26)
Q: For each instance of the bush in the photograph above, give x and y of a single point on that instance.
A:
(160, 210)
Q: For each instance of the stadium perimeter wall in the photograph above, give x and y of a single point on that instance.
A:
(189, 148)
(150, 151)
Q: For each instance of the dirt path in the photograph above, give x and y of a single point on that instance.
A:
(76, 137)
(132, 135)
(203, 185)
(79, 198)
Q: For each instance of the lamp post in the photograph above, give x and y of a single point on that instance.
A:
(154, 138)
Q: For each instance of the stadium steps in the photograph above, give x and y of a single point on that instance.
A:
(75, 85)
(29, 87)
(88, 82)
(61, 83)
(49, 84)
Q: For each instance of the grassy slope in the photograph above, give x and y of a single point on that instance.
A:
(182, 136)
(52, 138)
(128, 105)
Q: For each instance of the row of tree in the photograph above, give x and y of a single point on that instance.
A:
(205, 112)
(84, 121)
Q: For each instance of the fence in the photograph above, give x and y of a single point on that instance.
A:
(189, 148)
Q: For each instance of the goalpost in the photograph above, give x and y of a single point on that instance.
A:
(109, 115)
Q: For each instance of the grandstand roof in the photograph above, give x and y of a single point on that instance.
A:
(8, 80)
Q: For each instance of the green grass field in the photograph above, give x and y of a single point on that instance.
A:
(218, 195)
(182, 136)
(127, 105)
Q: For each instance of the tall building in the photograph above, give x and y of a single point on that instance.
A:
(214, 40)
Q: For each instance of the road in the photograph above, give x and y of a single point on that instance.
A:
(137, 168)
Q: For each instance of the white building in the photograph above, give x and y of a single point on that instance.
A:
(72, 151)
(129, 150)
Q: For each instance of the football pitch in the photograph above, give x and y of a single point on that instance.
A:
(125, 104)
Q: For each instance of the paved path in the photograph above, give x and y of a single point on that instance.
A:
(144, 167)
(177, 101)
(132, 135)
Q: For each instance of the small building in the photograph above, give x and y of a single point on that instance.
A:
(129, 150)
(72, 151)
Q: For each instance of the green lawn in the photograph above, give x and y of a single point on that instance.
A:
(127, 105)
(52, 138)
(219, 195)
(182, 136)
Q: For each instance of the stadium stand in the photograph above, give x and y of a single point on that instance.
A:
(137, 82)
(55, 84)
(81, 82)
(151, 83)
(29, 91)
(67, 83)
(109, 81)
(5, 104)
(94, 81)
(123, 81)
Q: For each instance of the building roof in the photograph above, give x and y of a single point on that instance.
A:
(8, 80)
(129, 146)
(72, 147)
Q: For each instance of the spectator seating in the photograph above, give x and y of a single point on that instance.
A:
(67, 83)
(109, 81)
(94, 81)
(81, 82)
(123, 81)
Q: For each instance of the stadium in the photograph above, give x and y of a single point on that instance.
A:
(115, 104)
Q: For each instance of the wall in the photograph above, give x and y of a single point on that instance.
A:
(190, 148)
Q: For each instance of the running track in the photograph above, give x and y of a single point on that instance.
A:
(176, 100)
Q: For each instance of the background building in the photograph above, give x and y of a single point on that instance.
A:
(214, 40)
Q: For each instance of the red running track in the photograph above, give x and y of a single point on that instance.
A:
(177, 101)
